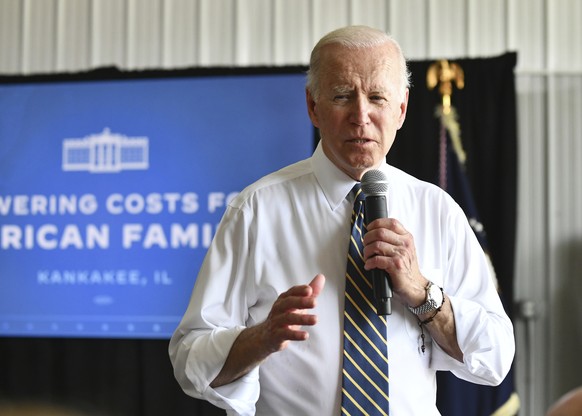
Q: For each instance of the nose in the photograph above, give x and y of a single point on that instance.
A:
(360, 111)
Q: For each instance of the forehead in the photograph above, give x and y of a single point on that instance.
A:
(371, 67)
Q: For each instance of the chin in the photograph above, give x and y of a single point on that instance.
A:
(357, 170)
(363, 163)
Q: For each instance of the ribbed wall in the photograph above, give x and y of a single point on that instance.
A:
(39, 36)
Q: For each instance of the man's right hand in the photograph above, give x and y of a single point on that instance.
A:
(289, 314)
(284, 324)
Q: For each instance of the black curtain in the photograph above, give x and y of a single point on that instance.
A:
(99, 377)
(134, 377)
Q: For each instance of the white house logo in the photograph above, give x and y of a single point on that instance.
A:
(106, 152)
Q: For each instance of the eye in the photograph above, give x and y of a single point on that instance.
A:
(341, 97)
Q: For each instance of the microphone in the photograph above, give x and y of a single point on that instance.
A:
(375, 186)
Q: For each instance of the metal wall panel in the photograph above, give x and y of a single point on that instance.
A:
(38, 36)
(531, 283)
(564, 34)
(565, 232)
(254, 40)
(327, 15)
(180, 36)
(144, 33)
(71, 35)
(526, 33)
(369, 12)
(108, 34)
(292, 32)
(55, 35)
(10, 36)
(73, 24)
(486, 27)
(408, 22)
(447, 24)
(217, 31)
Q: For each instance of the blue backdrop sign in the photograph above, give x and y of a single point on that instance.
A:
(111, 191)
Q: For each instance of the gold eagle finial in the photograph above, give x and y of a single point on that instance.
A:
(445, 73)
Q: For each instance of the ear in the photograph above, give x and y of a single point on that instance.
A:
(311, 108)
(403, 108)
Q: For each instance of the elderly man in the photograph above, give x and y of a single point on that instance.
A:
(264, 330)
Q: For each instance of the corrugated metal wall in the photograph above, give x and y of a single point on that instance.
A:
(39, 36)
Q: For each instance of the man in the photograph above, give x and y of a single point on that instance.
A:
(263, 330)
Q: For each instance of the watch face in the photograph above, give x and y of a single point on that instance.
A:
(436, 295)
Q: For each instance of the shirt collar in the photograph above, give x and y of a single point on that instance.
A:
(334, 183)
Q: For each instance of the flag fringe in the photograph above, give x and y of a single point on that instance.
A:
(510, 407)
(450, 120)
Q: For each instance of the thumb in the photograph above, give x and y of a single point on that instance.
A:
(317, 284)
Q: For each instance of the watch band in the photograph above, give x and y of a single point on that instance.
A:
(430, 304)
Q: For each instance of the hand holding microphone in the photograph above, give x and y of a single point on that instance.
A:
(375, 187)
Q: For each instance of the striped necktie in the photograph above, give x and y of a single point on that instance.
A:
(365, 361)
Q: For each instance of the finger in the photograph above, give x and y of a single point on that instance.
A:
(297, 299)
(290, 334)
(380, 240)
(289, 304)
(391, 224)
(379, 262)
(299, 290)
(281, 336)
(313, 289)
(293, 321)
(317, 284)
(300, 319)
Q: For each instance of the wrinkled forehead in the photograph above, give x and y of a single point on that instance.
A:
(375, 66)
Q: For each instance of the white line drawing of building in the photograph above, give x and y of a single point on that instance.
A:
(105, 152)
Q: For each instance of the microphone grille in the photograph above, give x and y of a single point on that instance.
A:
(374, 182)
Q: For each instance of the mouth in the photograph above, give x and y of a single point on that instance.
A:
(360, 141)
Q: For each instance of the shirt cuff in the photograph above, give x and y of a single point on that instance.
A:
(239, 396)
(486, 340)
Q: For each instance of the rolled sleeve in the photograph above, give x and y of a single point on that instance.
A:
(486, 340)
(239, 396)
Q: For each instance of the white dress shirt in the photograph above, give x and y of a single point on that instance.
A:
(295, 223)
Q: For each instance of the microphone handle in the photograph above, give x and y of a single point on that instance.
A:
(375, 207)
(382, 291)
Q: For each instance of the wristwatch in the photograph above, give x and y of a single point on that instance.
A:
(434, 300)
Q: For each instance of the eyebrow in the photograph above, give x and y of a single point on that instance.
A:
(343, 89)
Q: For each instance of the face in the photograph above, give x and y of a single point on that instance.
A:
(360, 106)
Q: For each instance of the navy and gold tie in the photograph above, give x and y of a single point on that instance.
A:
(365, 361)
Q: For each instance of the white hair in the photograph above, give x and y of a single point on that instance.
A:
(353, 37)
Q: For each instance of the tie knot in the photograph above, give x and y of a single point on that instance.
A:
(357, 193)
